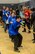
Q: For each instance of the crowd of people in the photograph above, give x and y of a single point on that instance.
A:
(12, 21)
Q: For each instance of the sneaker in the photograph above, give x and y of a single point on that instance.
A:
(20, 46)
(16, 50)
(34, 41)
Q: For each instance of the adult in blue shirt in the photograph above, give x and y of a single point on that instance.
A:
(15, 35)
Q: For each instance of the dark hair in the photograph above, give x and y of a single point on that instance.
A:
(17, 17)
(33, 9)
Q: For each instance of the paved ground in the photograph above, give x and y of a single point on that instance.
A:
(6, 46)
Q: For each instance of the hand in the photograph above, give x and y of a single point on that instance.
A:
(11, 22)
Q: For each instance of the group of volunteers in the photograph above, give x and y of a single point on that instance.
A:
(12, 21)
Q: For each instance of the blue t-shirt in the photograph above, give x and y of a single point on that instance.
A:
(11, 19)
(3, 15)
(13, 28)
(8, 13)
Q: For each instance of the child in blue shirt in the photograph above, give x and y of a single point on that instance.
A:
(6, 21)
(14, 34)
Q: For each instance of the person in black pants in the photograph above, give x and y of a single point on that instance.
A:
(28, 25)
(17, 39)
(33, 23)
(15, 36)
(27, 22)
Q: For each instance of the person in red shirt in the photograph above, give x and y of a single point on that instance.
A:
(27, 18)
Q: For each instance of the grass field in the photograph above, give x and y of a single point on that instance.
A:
(6, 46)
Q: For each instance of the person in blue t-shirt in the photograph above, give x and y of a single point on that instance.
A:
(3, 15)
(7, 13)
(11, 18)
(14, 34)
(6, 21)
